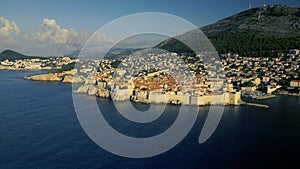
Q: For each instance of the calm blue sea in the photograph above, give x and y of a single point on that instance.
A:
(39, 129)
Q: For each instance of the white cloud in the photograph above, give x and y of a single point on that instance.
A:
(66, 40)
(8, 28)
(54, 34)
(53, 40)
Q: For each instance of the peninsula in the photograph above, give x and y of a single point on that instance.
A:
(259, 58)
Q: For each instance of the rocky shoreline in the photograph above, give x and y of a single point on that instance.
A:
(93, 90)
(65, 77)
(90, 87)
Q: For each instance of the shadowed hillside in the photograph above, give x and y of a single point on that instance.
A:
(12, 55)
(263, 31)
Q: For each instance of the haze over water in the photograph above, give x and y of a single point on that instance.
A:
(39, 129)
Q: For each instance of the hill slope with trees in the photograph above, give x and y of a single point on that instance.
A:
(263, 31)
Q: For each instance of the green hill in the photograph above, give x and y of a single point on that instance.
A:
(13, 55)
(263, 31)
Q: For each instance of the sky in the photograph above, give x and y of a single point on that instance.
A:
(60, 27)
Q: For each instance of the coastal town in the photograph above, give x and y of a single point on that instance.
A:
(36, 63)
(255, 77)
(173, 78)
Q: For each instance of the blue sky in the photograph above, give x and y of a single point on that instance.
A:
(88, 16)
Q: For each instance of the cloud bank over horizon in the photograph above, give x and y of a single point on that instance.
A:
(54, 34)
(52, 40)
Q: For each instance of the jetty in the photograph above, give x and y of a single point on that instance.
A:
(265, 97)
(255, 104)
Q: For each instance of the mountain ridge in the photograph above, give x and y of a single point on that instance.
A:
(262, 31)
(14, 55)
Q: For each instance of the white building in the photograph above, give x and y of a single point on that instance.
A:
(215, 84)
(120, 93)
(7, 63)
(295, 83)
(157, 97)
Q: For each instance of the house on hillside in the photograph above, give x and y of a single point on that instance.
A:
(294, 52)
(295, 83)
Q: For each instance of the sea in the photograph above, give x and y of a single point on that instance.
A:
(40, 129)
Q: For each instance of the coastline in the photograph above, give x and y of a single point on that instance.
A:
(92, 90)
(89, 88)
(18, 69)
(64, 77)
(106, 95)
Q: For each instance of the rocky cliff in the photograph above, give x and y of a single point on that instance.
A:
(65, 77)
